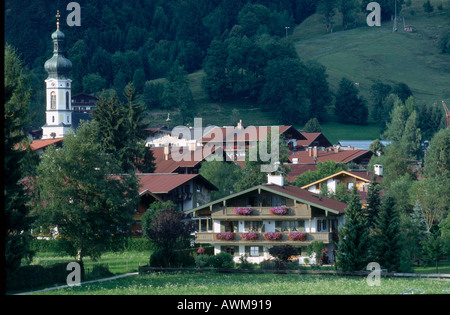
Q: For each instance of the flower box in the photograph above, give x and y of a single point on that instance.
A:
(250, 236)
(273, 236)
(226, 236)
(243, 211)
(297, 236)
(280, 210)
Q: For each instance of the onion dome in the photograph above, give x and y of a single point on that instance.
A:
(58, 66)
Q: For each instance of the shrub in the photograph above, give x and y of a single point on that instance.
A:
(34, 276)
(99, 271)
(244, 263)
(201, 261)
(222, 260)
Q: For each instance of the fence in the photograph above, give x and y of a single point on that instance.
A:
(146, 270)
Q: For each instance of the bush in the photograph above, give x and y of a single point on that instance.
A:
(99, 271)
(34, 276)
(222, 260)
(201, 261)
(244, 263)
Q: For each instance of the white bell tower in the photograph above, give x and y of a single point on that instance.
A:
(58, 110)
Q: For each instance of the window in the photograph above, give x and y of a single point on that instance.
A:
(252, 226)
(67, 100)
(322, 226)
(254, 250)
(53, 100)
(53, 118)
(229, 249)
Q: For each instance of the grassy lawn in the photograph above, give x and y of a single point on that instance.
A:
(256, 284)
(117, 263)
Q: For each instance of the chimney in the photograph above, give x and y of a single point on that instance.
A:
(275, 179)
(166, 152)
(336, 150)
(295, 160)
(378, 169)
(315, 152)
(239, 124)
(309, 151)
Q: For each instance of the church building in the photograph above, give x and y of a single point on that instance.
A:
(58, 111)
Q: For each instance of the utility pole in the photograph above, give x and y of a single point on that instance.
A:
(286, 28)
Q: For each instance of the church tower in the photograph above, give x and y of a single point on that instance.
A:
(58, 90)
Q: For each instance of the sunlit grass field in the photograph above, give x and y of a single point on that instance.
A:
(255, 284)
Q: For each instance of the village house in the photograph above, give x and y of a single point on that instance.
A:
(186, 191)
(235, 139)
(313, 139)
(358, 178)
(313, 155)
(276, 213)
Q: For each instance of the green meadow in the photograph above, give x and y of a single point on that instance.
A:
(255, 284)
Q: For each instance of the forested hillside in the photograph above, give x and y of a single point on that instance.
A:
(247, 52)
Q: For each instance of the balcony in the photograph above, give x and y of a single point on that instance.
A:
(262, 213)
(210, 237)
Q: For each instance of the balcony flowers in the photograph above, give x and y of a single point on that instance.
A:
(297, 236)
(279, 210)
(250, 236)
(243, 211)
(225, 236)
(273, 236)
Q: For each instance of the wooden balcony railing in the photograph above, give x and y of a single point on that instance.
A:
(262, 212)
(210, 237)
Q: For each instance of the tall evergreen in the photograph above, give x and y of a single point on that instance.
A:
(17, 156)
(386, 240)
(373, 204)
(120, 130)
(354, 241)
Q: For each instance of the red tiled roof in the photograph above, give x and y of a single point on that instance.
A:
(42, 143)
(185, 158)
(226, 133)
(298, 169)
(310, 137)
(164, 183)
(310, 197)
(343, 156)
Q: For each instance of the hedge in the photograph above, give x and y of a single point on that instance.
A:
(34, 276)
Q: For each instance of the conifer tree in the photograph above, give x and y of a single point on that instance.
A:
(373, 204)
(353, 245)
(18, 160)
(386, 240)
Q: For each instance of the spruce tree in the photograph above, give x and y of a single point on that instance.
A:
(386, 240)
(373, 204)
(353, 245)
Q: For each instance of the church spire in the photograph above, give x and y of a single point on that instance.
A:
(58, 89)
(58, 66)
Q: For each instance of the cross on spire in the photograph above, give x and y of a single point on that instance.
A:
(57, 19)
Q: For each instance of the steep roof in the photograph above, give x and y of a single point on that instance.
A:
(164, 183)
(288, 191)
(314, 139)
